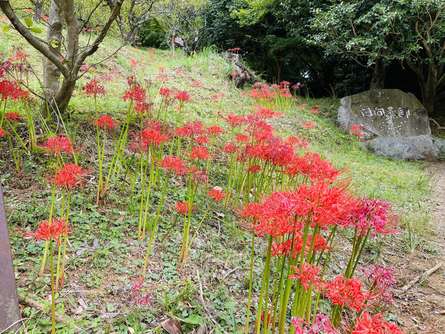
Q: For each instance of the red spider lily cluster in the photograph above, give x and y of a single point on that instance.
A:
(51, 230)
(69, 177)
(262, 91)
(11, 90)
(57, 145)
(94, 88)
(294, 203)
(106, 122)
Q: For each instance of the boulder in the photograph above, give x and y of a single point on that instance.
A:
(392, 123)
(440, 144)
(384, 113)
(405, 148)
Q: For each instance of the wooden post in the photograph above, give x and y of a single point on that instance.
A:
(9, 306)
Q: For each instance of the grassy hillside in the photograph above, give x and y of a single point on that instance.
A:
(100, 294)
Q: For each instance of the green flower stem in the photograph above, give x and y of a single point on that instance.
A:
(264, 287)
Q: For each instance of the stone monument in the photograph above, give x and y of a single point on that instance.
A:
(393, 123)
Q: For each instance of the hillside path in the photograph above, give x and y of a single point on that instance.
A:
(422, 307)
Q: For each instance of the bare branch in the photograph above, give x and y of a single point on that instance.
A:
(5, 6)
(93, 48)
(89, 16)
(103, 60)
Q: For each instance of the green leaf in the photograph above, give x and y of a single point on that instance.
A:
(193, 319)
(5, 28)
(37, 30)
(54, 43)
(28, 21)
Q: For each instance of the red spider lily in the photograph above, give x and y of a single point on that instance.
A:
(136, 294)
(94, 88)
(265, 113)
(153, 137)
(198, 176)
(11, 90)
(315, 110)
(19, 56)
(165, 92)
(381, 281)
(148, 138)
(373, 214)
(274, 151)
(216, 193)
(69, 176)
(13, 116)
(183, 208)
(356, 130)
(235, 120)
(368, 324)
(2, 133)
(182, 96)
(173, 163)
(297, 142)
(190, 129)
(153, 124)
(308, 275)
(230, 148)
(58, 144)
(133, 63)
(346, 292)
(199, 153)
(215, 130)
(142, 107)
(201, 140)
(135, 93)
(309, 125)
(106, 122)
(276, 214)
(312, 166)
(254, 169)
(241, 138)
(51, 231)
(293, 247)
(321, 325)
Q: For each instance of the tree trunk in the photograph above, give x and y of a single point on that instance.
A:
(51, 74)
(65, 93)
(378, 75)
(429, 89)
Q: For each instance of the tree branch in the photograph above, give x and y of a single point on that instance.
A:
(93, 48)
(5, 6)
(89, 16)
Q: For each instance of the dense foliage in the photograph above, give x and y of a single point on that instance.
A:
(335, 46)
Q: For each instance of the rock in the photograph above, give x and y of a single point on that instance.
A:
(384, 113)
(392, 123)
(440, 144)
(406, 148)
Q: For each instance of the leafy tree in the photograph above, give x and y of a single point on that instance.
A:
(376, 33)
(421, 44)
(57, 63)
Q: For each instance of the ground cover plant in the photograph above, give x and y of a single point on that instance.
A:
(169, 199)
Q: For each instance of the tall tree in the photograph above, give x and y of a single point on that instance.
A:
(61, 69)
(378, 32)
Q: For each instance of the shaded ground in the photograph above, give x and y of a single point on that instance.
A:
(422, 308)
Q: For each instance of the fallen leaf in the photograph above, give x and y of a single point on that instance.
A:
(171, 326)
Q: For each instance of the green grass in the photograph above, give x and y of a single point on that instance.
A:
(106, 255)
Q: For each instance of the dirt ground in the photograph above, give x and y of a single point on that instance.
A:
(421, 309)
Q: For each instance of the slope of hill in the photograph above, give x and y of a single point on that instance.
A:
(100, 294)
